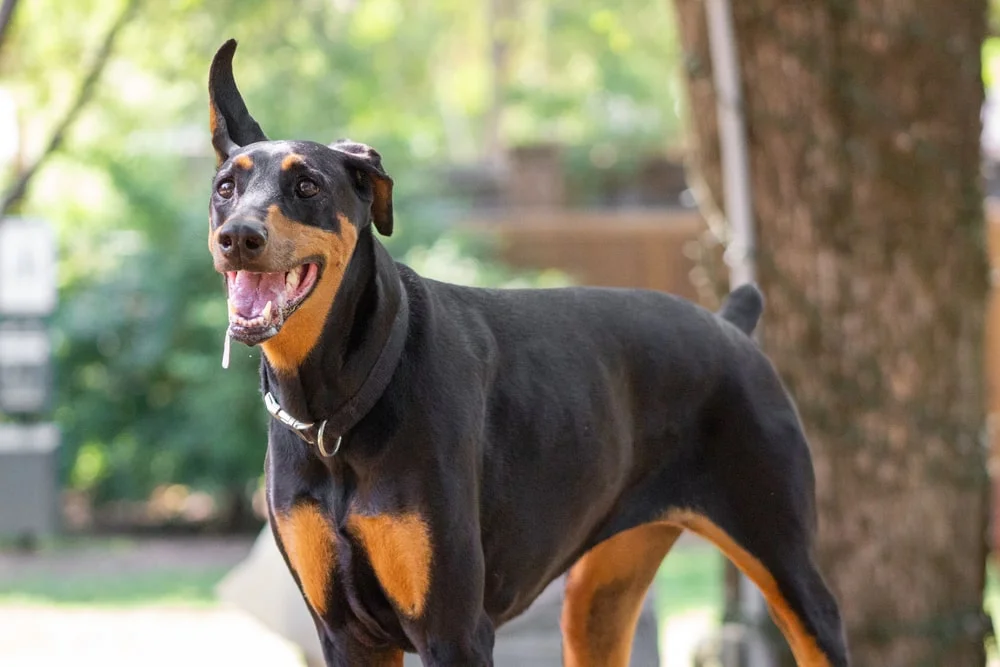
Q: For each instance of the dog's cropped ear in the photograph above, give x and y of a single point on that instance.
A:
(372, 180)
(232, 125)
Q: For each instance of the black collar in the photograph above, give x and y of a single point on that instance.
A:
(344, 418)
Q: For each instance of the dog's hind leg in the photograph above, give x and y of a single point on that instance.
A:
(800, 604)
(754, 499)
(605, 590)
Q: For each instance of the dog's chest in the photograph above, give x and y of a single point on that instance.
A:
(397, 547)
(368, 555)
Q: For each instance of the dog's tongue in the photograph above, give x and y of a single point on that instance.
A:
(249, 292)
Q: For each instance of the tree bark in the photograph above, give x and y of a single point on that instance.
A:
(863, 124)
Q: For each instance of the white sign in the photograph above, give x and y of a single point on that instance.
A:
(27, 268)
(24, 368)
(16, 438)
(22, 346)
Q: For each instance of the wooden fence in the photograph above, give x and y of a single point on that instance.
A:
(639, 248)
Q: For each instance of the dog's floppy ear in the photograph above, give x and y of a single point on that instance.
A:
(232, 125)
(372, 180)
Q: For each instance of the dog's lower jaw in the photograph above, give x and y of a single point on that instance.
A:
(251, 337)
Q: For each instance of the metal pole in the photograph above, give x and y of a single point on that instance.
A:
(737, 199)
(738, 209)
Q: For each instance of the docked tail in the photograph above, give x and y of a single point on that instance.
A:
(743, 307)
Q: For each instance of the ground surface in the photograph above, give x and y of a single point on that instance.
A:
(125, 602)
(122, 603)
(36, 636)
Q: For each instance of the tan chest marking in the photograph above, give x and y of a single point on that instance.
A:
(308, 541)
(399, 550)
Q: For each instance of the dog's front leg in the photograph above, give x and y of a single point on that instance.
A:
(454, 630)
(341, 649)
(428, 559)
(472, 646)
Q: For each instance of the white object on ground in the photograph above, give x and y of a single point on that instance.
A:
(263, 587)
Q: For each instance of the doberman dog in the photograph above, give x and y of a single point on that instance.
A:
(438, 454)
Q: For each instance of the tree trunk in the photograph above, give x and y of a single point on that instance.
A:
(863, 124)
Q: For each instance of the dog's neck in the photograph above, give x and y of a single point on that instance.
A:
(357, 329)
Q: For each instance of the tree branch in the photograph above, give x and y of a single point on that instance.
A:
(6, 14)
(83, 95)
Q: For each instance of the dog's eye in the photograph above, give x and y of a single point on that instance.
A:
(226, 188)
(306, 188)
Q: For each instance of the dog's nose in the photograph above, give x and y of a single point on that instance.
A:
(242, 239)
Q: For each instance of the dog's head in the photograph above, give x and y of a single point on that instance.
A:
(284, 219)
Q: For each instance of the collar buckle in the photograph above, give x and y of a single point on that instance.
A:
(301, 427)
(278, 413)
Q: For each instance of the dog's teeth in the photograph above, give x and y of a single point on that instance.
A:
(292, 279)
(232, 308)
(266, 315)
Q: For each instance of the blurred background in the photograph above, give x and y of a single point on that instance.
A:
(531, 143)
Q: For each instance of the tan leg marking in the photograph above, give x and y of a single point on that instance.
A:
(399, 549)
(604, 595)
(307, 538)
(807, 653)
(298, 336)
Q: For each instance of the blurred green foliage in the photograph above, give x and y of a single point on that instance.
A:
(142, 399)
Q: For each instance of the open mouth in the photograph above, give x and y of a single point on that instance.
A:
(259, 303)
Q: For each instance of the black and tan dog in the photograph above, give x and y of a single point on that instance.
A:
(439, 454)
